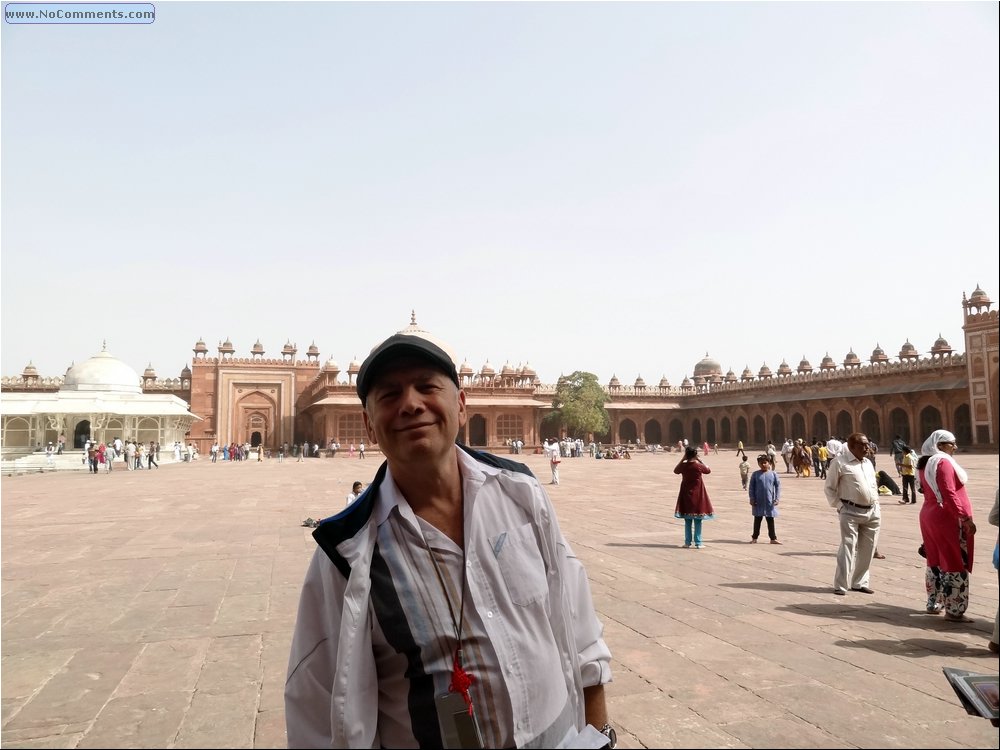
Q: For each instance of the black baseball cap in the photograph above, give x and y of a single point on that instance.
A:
(400, 345)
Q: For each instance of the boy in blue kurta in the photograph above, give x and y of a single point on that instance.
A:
(765, 493)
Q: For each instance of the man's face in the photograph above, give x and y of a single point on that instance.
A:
(858, 446)
(414, 411)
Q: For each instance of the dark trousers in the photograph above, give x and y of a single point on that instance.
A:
(911, 483)
(770, 526)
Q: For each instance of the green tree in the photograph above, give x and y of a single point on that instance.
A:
(579, 405)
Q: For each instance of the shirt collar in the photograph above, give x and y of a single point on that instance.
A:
(474, 474)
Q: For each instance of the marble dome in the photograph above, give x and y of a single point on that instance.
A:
(102, 372)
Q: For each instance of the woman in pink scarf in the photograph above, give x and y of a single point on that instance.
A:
(947, 527)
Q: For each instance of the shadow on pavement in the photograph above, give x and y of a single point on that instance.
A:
(919, 647)
(768, 586)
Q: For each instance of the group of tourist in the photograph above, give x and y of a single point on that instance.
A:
(853, 487)
(946, 522)
(233, 452)
(97, 453)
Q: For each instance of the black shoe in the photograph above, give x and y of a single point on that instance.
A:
(863, 590)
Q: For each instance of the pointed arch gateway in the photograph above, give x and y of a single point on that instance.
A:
(254, 412)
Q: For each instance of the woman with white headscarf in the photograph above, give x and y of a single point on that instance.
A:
(947, 527)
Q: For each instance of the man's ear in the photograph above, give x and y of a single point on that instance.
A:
(463, 414)
(368, 426)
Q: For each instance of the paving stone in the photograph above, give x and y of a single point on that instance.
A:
(139, 615)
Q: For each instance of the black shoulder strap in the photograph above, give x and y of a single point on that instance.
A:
(344, 525)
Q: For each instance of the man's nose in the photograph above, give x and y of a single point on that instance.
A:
(412, 400)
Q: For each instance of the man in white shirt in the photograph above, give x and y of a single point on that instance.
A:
(444, 608)
(851, 489)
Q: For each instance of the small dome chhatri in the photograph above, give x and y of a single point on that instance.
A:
(707, 367)
(941, 346)
(908, 351)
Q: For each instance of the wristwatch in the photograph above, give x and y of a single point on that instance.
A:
(609, 731)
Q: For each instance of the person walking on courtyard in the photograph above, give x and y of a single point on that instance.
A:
(899, 450)
(552, 450)
(92, 455)
(361, 449)
(739, 449)
(947, 527)
(61, 440)
(765, 494)
(851, 490)
(908, 469)
(693, 503)
(824, 459)
(151, 456)
(130, 455)
(744, 471)
(50, 455)
(786, 454)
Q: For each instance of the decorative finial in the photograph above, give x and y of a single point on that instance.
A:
(104, 345)
(413, 317)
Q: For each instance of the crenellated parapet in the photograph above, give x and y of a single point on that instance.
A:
(855, 374)
(255, 362)
(20, 383)
(986, 316)
(167, 384)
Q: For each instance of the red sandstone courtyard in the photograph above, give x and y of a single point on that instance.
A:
(155, 609)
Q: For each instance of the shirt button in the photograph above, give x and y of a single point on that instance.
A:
(489, 613)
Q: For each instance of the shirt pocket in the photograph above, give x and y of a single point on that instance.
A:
(521, 565)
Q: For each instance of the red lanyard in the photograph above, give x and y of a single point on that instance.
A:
(461, 680)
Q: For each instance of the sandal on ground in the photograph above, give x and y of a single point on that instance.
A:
(957, 618)
(934, 610)
(775, 541)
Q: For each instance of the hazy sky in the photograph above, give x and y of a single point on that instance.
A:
(617, 188)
